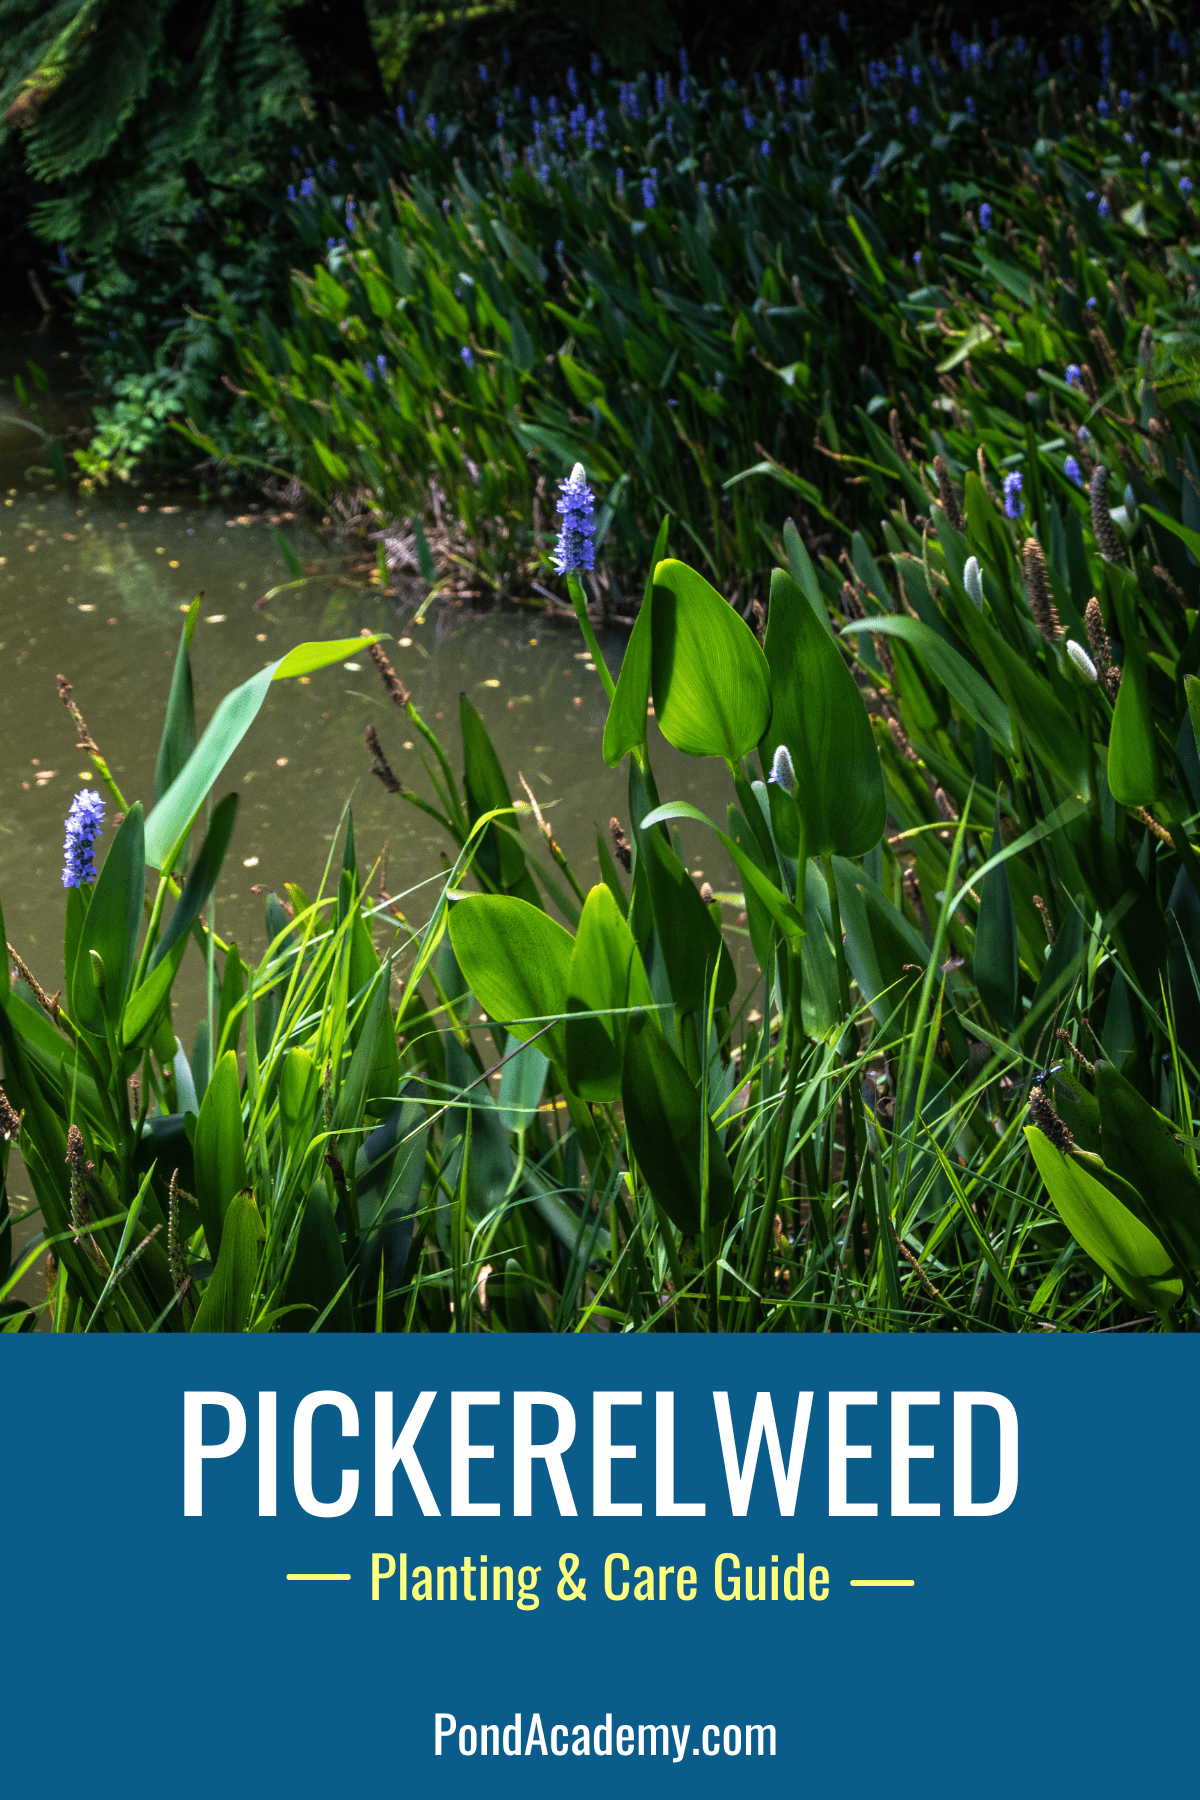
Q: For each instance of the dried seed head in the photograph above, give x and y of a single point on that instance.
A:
(175, 1258)
(1048, 1121)
(65, 690)
(1089, 385)
(900, 739)
(887, 661)
(1037, 584)
(379, 762)
(622, 849)
(758, 619)
(946, 494)
(10, 1122)
(897, 440)
(394, 688)
(1102, 525)
(1171, 588)
(1064, 1039)
(1104, 351)
(1045, 261)
(1152, 825)
(1047, 924)
(1101, 648)
(851, 606)
(75, 1148)
(988, 489)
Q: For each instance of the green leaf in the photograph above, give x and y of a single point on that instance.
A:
(230, 1293)
(179, 725)
(802, 572)
(711, 688)
(1187, 536)
(664, 1120)
(299, 1090)
(606, 977)
(425, 560)
(817, 711)
(110, 930)
(1138, 1145)
(375, 1040)
(625, 727)
(174, 813)
(522, 1081)
(516, 960)
(1134, 770)
(291, 561)
(219, 1149)
(1044, 722)
(976, 697)
(499, 855)
(146, 1001)
(997, 967)
(766, 892)
(1119, 1243)
(318, 1271)
(331, 462)
(688, 936)
(388, 1172)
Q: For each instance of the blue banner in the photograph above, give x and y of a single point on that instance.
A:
(308, 1565)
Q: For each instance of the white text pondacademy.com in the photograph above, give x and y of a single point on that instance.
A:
(538, 1739)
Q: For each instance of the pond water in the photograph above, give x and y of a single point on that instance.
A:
(95, 589)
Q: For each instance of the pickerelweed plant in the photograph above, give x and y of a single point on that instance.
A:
(493, 1120)
(630, 283)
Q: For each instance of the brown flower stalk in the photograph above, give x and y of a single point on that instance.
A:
(1172, 589)
(901, 741)
(1048, 1121)
(946, 494)
(1102, 525)
(1037, 583)
(379, 762)
(65, 690)
(1047, 925)
(1093, 618)
(10, 1120)
(622, 849)
(897, 440)
(393, 687)
(47, 1001)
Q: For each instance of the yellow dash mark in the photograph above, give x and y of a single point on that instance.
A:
(883, 1584)
(318, 1578)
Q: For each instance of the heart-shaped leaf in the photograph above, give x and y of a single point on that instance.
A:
(711, 689)
(817, 711)
(1124, 1248)
(516, 960)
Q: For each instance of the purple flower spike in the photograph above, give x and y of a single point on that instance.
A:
(85, 821)
(575, 548)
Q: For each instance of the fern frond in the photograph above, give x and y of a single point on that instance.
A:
(82, 119)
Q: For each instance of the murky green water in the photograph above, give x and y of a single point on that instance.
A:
(95, 590)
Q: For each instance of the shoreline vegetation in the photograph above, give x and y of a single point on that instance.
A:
(869, 394)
